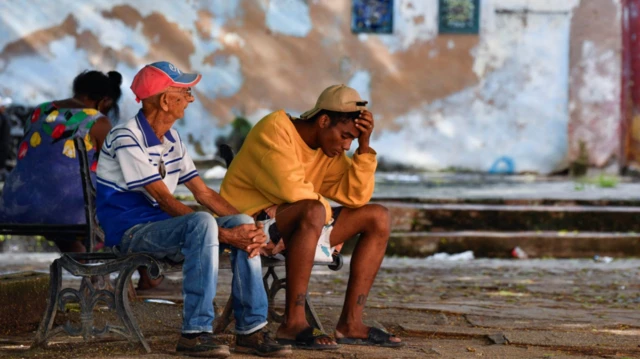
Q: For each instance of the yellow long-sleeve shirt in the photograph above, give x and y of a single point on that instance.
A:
(276, 166)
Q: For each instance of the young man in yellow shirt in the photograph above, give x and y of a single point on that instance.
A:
(287, 168)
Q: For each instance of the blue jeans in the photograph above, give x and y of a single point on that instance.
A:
(193, 238)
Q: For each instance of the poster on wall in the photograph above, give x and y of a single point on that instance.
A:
(372, 16)
(459, 16)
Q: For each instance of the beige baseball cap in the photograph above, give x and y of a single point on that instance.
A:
(339, 98)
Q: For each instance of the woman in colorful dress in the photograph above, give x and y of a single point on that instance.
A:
(45, 186)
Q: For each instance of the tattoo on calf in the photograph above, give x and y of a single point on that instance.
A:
(300, 300)
(362, 299)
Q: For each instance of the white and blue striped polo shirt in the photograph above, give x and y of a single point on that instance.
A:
(132, 156)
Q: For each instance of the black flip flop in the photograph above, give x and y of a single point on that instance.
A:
(377, 337)
(306, 339)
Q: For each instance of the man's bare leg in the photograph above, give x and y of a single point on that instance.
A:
(145, 282)
(374, 225)
(300, 224)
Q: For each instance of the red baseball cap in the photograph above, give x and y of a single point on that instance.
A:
(158, 76)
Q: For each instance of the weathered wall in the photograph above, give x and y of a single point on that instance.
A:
(595, 61)
(441, 101)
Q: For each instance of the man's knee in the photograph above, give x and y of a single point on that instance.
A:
(241, 219)
(203, 218)
(255, 263)
(312, 215)
(206, 226)
(378, 219)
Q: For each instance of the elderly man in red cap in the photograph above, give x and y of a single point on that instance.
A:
(285, 172)
(142, 162)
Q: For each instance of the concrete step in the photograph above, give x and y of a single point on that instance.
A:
(500, 244)
(420, 217)
(631, 201)
(438, 217)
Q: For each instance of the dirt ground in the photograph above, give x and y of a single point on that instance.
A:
(533, 308)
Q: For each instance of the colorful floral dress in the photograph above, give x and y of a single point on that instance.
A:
(45, 186)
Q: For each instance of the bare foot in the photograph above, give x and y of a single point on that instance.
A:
(291, 333)
(146, 282)
(359, 331)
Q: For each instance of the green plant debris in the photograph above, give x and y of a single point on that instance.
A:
(602, 181)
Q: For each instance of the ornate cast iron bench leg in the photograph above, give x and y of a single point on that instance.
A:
(124, 310)
(312, 316)
(55, 284)
(223, 321)
(88, 297)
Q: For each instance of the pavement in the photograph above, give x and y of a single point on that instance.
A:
(541, 308)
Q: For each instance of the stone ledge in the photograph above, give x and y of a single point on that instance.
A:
(500, 244)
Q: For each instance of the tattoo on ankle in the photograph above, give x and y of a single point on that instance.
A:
(300, 300)
(361, 299)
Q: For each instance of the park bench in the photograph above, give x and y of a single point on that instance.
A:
(91, 266)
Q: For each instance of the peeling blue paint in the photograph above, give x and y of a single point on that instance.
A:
(289, 17)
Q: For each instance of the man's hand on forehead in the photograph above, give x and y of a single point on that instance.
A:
(365, 124)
